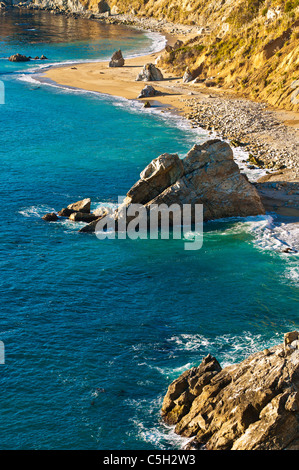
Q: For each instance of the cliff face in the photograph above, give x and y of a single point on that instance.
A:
(253, 405)
(247, 46)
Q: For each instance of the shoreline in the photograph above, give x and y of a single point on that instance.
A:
(278, 189)
(270, 137)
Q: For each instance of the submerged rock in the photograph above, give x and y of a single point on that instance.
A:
(253, 405)
(149, 73)
(117, 59)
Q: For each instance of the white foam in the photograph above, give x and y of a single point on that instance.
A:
(161, 436)
(240, 157)
(36, 211)
(167, 371)
(270, 232)
(228, 348)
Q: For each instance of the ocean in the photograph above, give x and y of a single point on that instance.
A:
(95, 331)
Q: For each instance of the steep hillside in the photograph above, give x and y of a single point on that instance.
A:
(247, 46)
(253, 49)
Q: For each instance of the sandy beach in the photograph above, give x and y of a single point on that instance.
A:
(270, 134)
(120, 81)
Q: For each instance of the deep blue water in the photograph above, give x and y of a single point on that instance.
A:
(95, 331)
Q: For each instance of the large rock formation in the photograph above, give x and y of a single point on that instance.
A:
(253, 405)
(103, 6)
(208, 175)
(149, 73)
(18, 58)
(117, 59)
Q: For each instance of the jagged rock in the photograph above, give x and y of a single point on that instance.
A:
(51, 217)
(43, 57)
(80, 206)
(99, 213)
(188, 77)
(65, 212)
(117, 59)
(103, 7)
(208, 175)
(160, 174)
(91, 227)
(178, 44)
(253, 405)
(147, 104)
(148, 91)
(149, 73)
(169, 48)
(83, 217)
(18, 58)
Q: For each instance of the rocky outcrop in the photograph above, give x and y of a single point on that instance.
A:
(78, 212)
(103, 6)
(149, 73)
(253, 405)
(50, 217)
(148, 91)
(187, 77)
(83, 217)
(117, 59)
(208, 175)
(80, 206)
(18, 58)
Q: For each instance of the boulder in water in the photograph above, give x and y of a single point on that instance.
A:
(50, 217)
(83, 217)
(207, 176)
(18, 58)
(80, 206)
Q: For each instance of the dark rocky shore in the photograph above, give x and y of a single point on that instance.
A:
(253, 405)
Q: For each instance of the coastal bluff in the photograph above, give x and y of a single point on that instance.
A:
(253, 405)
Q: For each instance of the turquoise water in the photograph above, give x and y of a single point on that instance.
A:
(95, 331)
